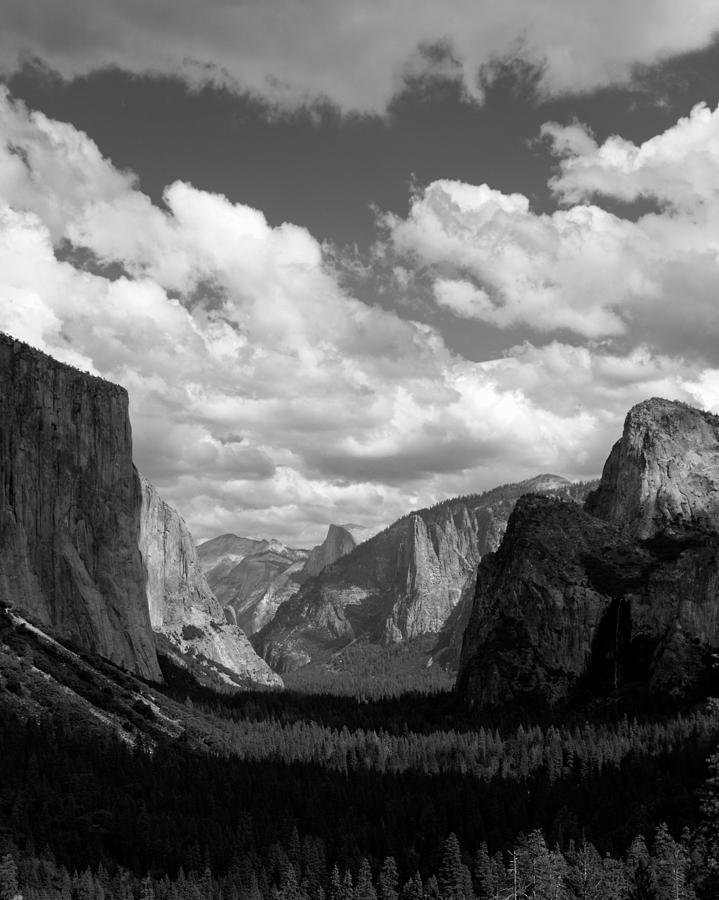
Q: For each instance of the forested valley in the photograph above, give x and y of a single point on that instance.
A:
(302, 796)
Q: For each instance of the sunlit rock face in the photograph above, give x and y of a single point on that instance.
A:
(339, 542)
(70, 504)
(623, 594)
(663, 474)
(404, 582)
(182, 605)
(251, 578)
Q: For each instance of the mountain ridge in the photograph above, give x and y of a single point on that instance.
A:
(620, 595)
(401, 583)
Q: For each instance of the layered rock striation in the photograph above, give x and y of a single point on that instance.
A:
(620, 595)
(182, 606)
(70, 507)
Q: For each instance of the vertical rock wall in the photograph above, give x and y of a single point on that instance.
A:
(70, 507)
(181, 603)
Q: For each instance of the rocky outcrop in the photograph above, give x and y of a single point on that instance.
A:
(338, 542)
(402, 583)
(251, 578)
(221, 554)
(623, 593)
(182, 606)
(70, 507)
(664, 472)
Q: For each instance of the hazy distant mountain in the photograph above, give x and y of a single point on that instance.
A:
(399, 584)
(253, 578)
(622, 594)
(340, 540)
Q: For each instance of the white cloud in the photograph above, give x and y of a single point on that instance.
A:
(679, 167)
(583, 269)
(353, 53)
(265, 399)
(549, 271)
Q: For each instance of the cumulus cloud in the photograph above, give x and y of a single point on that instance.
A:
(495, 260)
(267, 400)
(651, 280)
(355, 54)
(679, 168)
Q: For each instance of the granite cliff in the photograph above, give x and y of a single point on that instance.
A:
(88, 549)
(663, 474)
(620, 596)
(70, 504)
(253, 578)
(221, 554)
(338, 542)
(402, 583)
(183, 607)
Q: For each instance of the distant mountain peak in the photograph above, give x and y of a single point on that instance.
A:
(545, 482)
(397, 585)
(339, 542)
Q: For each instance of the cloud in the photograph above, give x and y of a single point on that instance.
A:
(493, 259)
(679, 168)
(648, 280)
(355, 54)
(267, 400)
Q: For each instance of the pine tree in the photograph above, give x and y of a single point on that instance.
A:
(253, 891)
(453, 879)
(9, 888)
(669, 867)
(388, 882)
(638, 872)
(289, 888)
(584, 875)
(335, 884)
(413, 889)
(364, 889)
(483, 874)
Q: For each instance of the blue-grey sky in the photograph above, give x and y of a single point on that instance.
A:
(351, 258)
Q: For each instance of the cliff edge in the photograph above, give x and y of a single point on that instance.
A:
(70, 504)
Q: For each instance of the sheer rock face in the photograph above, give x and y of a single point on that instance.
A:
(339, 542)
(251, 578)
(623, 593)
(663, 475)
(182, 605)
(401, 583)
(70, 507)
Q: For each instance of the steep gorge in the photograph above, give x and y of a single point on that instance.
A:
(400, 584)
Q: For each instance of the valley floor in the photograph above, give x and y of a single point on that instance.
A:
(179, 792)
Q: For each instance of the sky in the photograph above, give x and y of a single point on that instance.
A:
(352, 258)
